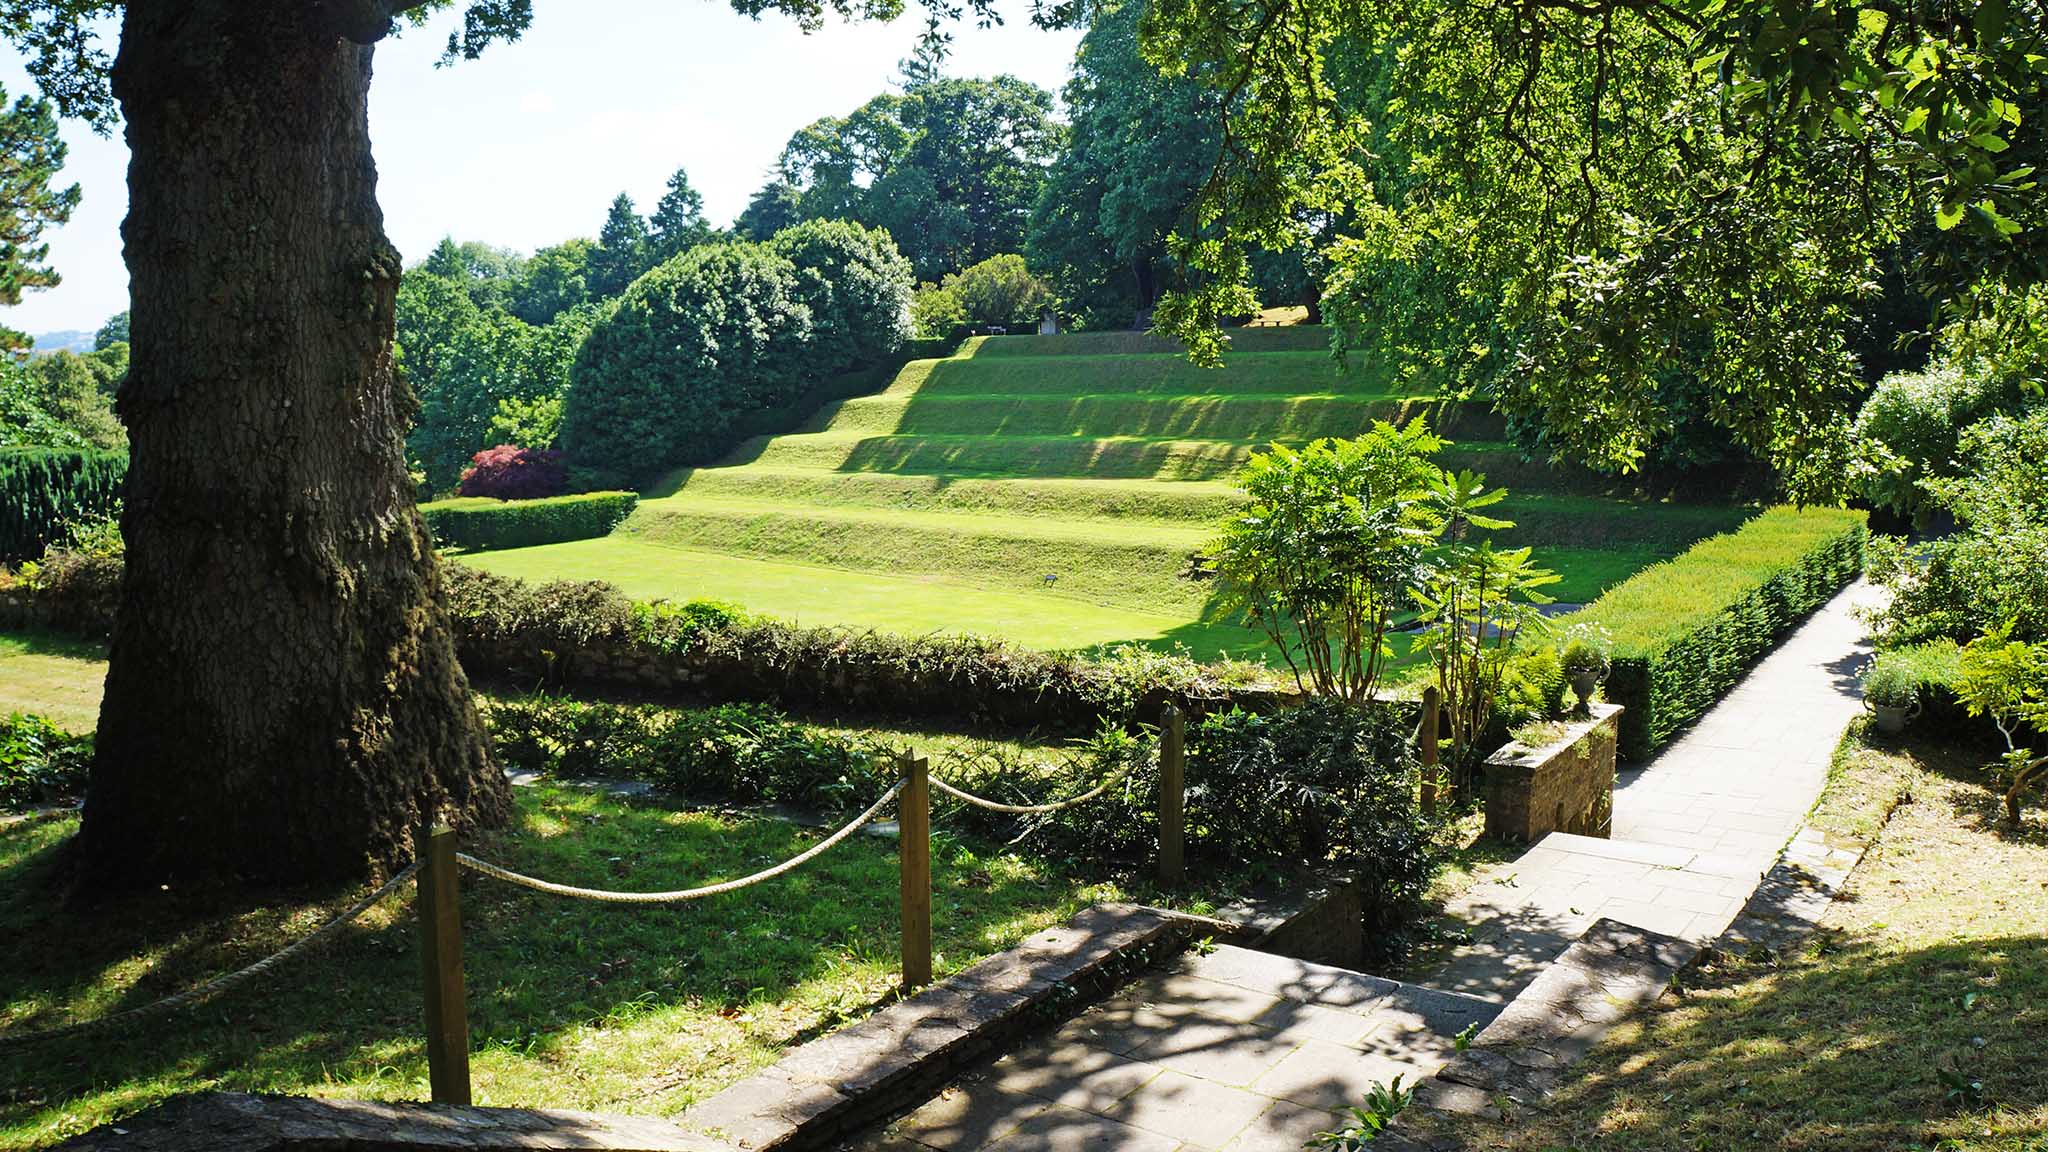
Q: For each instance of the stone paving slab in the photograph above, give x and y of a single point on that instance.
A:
(1235, 1049)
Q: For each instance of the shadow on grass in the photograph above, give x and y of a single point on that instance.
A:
(1865, 1047)
(572, 1003)
(51, 644)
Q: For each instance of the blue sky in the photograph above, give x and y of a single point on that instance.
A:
(528, 145)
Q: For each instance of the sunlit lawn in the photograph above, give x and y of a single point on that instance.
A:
(573, 1004)
(60, 679)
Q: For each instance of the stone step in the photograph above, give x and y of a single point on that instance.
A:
(1227, 1049)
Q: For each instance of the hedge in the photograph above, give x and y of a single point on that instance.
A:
(478, 523)
(1687, 630)
(565, 633)
(43, 489)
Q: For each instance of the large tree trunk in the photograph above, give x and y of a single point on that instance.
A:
(283, 700)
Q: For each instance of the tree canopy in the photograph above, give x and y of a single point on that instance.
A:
(1631, 193)
(1139, 147)
(950, 168)
(30, 156)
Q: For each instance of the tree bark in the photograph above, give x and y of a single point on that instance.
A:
(283, 701)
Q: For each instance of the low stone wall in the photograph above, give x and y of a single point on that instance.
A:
(1564, 786)
(859, 1074)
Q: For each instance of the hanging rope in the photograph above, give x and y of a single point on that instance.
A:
(212, 988)
(1029, 809)
(682, 895)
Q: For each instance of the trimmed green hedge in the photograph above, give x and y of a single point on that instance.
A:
(1687, 630)
(479, 523)
(41, 489)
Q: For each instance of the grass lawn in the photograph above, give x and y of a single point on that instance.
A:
(1931, 973)
(58, 678)
(1103, 461)
(572, 1004)
(912, 604)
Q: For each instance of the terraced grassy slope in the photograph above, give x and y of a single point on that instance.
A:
(1054, 490)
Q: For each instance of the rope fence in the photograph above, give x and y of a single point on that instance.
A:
(218, 985)
(1028, 809)
(437, 865)
(685, 894)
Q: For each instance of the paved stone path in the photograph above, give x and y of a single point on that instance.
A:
(1242, 1051)
(1235, 1050)
(1694, 829)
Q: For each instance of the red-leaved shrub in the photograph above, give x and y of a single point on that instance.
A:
(509, 472)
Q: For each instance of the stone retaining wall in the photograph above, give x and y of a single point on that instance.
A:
(1564, 786)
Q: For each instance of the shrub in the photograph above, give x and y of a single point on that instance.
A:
(1586, 648)
(1910, 428)
(566, 632)
(39, 762)
(2006, 680)
(857, 287)
(1327, 784)
(1993, 571)
(1331, 542)
(1933, 669)
(1890, 685)
(999, 291)
(747, 753)
(1685, 631)
(1532, 688)
(44, 490)
(477, 523)
(509, 472)
(936, 313)
(713, 333)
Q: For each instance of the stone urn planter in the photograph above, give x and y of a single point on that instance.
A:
(1891, 719)
(1584, 682)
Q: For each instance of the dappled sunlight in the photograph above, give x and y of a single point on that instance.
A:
(572, 1004)
(1917, 985)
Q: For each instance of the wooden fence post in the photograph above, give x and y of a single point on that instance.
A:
(1172, 795)
(914, 848)
(1432, 703)
(441, 959)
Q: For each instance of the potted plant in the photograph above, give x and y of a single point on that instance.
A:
(1587, 657)
(1891, 695)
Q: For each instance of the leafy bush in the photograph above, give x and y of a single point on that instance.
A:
(936, 313)
(39, 762)
(565, 632)
(747, 753)
(998, 292)
(1685, 631)
(1890, 685)
(44, 490)
(1910, 428)
(509, 472)
(1331, 542)
(715, 332)
(1327, 784)
(1993, 571)
(2006, 680)
(857, 287)
(1532, 688)
(1586, 648)
(479, 523)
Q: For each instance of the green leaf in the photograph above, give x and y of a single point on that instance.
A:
(1989, 142)
(1947, 217)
